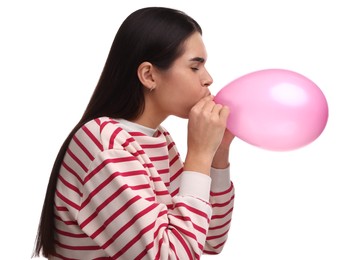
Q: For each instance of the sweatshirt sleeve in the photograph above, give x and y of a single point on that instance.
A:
(222, 201)
(120, 213)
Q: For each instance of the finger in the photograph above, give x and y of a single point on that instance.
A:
(217, 109)
(209, 106)
(224, 113)
(200, 104)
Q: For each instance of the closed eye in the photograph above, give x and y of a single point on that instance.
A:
(196, 63)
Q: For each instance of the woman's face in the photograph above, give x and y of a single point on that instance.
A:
(180, 87)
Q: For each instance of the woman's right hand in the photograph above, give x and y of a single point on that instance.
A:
(206, 126)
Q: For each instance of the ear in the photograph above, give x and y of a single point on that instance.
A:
(145, 74)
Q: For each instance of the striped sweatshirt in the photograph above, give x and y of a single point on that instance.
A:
(123, 194)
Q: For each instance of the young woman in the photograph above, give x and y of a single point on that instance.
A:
(118, 188)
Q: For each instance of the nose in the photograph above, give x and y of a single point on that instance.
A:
(207, 80)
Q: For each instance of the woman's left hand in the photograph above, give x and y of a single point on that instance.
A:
(221, 158)
(227, 139)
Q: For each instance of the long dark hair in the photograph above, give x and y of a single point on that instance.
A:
(153, 34)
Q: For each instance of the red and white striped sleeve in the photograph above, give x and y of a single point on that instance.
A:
(119, 211)
(222, 201)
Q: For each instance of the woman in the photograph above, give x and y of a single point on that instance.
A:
(118, 188)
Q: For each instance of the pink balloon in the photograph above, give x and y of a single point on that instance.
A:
(275, 109)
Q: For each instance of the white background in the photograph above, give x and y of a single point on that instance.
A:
(289, 205)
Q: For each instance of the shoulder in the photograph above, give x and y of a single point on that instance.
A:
(103, 131)
(98, 124)
(169, 140)
(162, 130)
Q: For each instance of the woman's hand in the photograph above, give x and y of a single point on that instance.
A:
(221, 158)
(206, 132)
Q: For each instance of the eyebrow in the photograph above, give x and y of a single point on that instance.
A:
(199, 59)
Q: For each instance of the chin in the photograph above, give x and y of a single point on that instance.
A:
(183, 115)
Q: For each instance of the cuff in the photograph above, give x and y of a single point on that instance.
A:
(221, 179)
(195, 184)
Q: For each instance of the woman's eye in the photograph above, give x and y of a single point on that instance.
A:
(194, 69)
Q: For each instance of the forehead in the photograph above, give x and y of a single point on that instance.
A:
(194, 47)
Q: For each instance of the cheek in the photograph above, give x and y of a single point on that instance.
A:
(180, 103)
(192, 94)
(190, 100)
(181, 93)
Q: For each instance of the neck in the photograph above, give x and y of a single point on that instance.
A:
(149, 122)
(153, 115)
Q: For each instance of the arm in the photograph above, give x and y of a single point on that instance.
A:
(222, 201)
(208, 153)
(222, 198)
(120, 212)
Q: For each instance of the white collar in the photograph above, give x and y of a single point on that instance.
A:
(134, 127)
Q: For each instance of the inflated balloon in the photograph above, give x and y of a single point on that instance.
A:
(275, 109)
